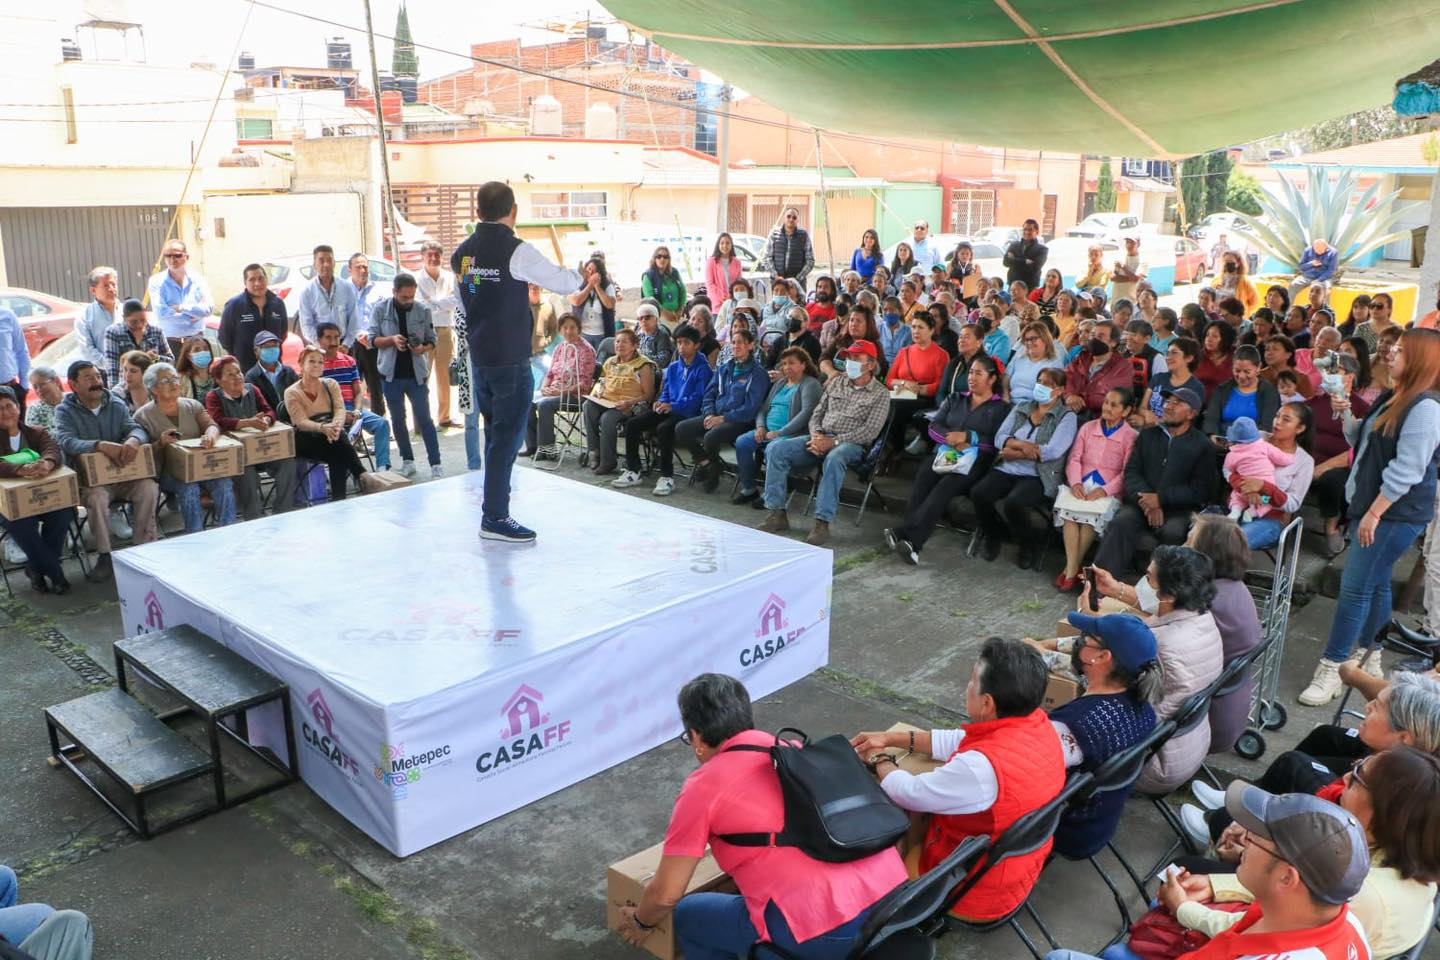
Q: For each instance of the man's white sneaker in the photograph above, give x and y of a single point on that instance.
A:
(407, 468)
(119, 527)
(627, 479)
(1324, 686)
(1209, 797)
(1193, 819)
(664, 487)
(436, 471)
(14, 556)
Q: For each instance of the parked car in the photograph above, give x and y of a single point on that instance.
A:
(289, 275)
(1003, 236)
(43, 318)
(1105, 226)
(986, 253)
(1190, 261)
(1206, 231)
(1071, 255)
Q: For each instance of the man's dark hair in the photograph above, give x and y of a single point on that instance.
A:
(131, 306)
(1185, 574)
(685, 332)
(1189, 349)
(403, 280)
(1141, 327)
(1031, 222)
(495, 200)
(77, 368)
(1249, 354)
(716, 707)
(323, 248)
(1013, 674)
(1232, 306)
(1107, 325)
(322, 328)
(251, 266)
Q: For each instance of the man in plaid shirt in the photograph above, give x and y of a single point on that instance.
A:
(133, 332)
(847, 420)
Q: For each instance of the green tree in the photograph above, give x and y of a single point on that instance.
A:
(1105, 188)
(1217, 179)
(1242, 193)
(404, 63)
(1192, 188)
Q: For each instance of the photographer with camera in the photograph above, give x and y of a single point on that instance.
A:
(1332, 451)
(402, 332)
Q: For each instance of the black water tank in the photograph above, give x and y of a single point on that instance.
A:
(247, 60)
(337, 53)
(69, 50)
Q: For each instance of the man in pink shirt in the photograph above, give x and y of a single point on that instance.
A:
(806, 907)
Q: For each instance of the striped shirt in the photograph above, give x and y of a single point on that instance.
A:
(344, 371)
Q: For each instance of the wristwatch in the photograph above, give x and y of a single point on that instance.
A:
(880, 758)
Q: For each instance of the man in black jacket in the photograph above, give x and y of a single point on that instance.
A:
(270, 373)
(1025, 257)
(1172, 473)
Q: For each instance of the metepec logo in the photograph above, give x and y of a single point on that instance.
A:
(772, 635)
(322, 738)
(400, 770)
(528, 734)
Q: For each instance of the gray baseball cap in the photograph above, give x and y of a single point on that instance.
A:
(1324, 843)
(1187, 392)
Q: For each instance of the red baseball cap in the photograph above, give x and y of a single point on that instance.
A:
(861, 346)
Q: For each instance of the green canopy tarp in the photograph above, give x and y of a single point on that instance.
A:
(1134, 78)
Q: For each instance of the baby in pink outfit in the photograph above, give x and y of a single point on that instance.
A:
(1254, 459)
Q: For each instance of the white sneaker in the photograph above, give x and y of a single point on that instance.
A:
(1193, 819)
(627, 479)
(1375, 666)
(14, 555)
(664, 487)
(436, 472)
(1209, 797)
(407, 468)
(1324, 686)
(119, 528)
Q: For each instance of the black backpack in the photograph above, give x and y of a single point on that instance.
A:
(835, 811)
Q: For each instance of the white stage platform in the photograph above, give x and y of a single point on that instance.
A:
(439, 680)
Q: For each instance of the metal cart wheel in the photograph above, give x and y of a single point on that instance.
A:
(1273, 715)
(1251, 745)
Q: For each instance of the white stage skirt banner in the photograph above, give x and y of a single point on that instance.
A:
(439, 680)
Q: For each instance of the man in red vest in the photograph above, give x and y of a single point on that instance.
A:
(1003, 764)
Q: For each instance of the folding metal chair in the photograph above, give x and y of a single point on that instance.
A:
(1398, 638)
(73, 539)
(569, 428)
(864, 472)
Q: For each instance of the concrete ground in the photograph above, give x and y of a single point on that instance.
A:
(285, 876)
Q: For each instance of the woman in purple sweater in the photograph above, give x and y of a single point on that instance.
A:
(1222, 540)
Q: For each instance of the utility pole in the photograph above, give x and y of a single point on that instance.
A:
(722, 153)
(824, 202)
(387, 201)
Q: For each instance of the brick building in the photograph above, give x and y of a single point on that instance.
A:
(489, 89)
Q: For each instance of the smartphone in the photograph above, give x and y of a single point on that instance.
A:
(1094, 590)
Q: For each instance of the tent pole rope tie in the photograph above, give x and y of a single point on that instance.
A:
(968, 44)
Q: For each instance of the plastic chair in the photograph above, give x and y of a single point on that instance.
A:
(1398, 638)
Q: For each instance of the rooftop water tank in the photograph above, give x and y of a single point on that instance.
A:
(600, 121)
(546, 116)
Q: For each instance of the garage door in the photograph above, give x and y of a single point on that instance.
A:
(52, 249)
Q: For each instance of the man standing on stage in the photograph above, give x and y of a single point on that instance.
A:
(492, 269)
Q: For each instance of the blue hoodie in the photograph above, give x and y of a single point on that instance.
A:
(685, 387)
(737, 396)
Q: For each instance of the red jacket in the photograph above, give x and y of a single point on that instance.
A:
(1079, 381)
(1030, 771)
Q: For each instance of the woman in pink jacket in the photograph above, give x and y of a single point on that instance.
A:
(566, 383)
(722, 269)
(1094, 481)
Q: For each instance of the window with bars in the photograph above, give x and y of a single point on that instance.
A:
(250, 128)
(971, 211)
(569, 205)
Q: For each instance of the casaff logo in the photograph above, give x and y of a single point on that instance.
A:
(322, 738)
(398, 770)
(701, 554)
(527, 732)
(771, 636)
(154, 612)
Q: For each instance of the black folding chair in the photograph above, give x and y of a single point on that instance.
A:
(73, 539)
(1397, 638)
(864, 472)
(1187, 718)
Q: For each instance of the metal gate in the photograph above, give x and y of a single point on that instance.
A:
(53, 249)
(971, 211)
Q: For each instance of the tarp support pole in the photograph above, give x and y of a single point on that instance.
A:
(824, 203)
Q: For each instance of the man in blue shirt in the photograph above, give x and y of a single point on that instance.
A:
(181, 299)
(927, 253)
(1317, 265)
(14, 357)
(367, 294)
(104, 310)
(328, 300)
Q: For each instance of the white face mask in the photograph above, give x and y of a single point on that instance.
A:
(854, 369)
(1146, 596)
(1042, 393)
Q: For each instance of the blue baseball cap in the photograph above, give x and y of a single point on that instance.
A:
(1323, 842)
(1127, 637)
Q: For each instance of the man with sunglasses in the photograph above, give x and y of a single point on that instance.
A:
(181, 299)
(788, 252)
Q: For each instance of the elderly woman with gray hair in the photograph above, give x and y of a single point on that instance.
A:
(168, 418)
(48, 394)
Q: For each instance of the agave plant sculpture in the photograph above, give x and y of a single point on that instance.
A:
(1289, 224)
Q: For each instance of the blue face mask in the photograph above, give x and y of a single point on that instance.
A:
(269, 354)
(854, 369)
(1043, 393)
(892, 318)
(201, 359)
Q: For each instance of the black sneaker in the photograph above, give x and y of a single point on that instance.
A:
(506, 529)
(742, 497)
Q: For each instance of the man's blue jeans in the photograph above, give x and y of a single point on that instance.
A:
(747, 448)
(502, 395)
(379, 429)
(222, 495)
(472, 440)
(716, 926)
(18, 922)
(1363, 606)
(789, 453)
(395, 393)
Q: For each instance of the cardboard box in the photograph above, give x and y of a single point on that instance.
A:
(97, 470)
(188, 461)
(264, 446)
(919, 761)
(389, 480)
(20, 498)
(626, 880)
(1061, 687)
